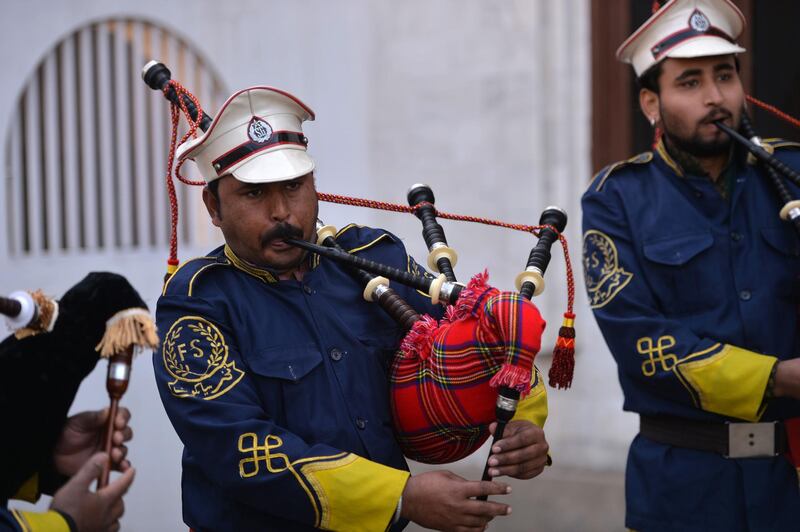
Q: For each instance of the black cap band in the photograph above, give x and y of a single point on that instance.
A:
(225, 161)
(689, 33)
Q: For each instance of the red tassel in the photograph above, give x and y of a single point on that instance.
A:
(564, 354)
(172, 267)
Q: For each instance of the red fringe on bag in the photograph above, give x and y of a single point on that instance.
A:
(418, 342)
(514, 377)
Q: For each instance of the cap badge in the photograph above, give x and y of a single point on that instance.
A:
(699, 22)
(259, 130)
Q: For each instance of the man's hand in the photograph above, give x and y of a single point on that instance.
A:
(83, 436)
(522, 453)
(444, 501)
(787, 379)
(93, 512)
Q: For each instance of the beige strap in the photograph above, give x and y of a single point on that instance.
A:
(369, 290)
(436, 288)
(794, 204)
(324, 232)
(440, 252)
(533, 276)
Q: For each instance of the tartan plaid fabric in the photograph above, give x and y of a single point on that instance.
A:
(445, 376)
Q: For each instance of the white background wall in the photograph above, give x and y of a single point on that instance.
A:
(486, 101)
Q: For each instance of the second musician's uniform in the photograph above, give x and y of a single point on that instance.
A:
(695, 287)
(279, 392)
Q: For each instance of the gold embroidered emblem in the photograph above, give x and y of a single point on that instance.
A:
(274, 462)
(196, 355)
(656, 355)
(604, 277)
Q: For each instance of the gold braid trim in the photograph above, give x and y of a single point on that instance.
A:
(47, 313)
(133, 326)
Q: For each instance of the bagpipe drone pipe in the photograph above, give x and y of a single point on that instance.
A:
(446, 376)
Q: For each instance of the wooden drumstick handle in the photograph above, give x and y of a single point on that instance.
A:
(119, 373)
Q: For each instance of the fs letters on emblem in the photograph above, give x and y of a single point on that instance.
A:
(602, 272)
(196, 356)
(259, 130)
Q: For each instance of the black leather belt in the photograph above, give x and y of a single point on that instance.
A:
(732, 440)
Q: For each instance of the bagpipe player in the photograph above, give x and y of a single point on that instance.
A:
(273, 368)
(693, 279)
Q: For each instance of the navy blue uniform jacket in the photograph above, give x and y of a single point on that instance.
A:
(696, 296)
(279, 392)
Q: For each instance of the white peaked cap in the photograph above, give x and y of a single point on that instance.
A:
(256, 136)
(684, 28)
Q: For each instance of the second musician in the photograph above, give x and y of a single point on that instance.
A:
(693, 279)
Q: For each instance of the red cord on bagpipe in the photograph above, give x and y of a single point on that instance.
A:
(175, 110)
(394, 207)
(774, 110)
(562, 368)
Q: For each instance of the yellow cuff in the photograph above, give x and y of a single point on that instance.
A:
(534, 407)
(731, 382)
(40, 522)
(29, 491)
(355, 494)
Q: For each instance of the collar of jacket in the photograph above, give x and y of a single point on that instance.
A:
(684, 163)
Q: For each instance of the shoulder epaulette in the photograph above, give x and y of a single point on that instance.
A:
(781, 143)
(600, 179)
(355, 237)
(183, 280)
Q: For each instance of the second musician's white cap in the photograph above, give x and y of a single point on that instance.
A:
(684, 28)
(257, 137)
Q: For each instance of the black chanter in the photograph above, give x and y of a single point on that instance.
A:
(531, 282)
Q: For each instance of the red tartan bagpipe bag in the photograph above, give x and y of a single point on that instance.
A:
(444, 379)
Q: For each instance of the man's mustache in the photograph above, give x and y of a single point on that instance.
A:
(281, 231)
(716, 114)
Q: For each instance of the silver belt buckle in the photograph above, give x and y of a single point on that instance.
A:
(751, 440)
